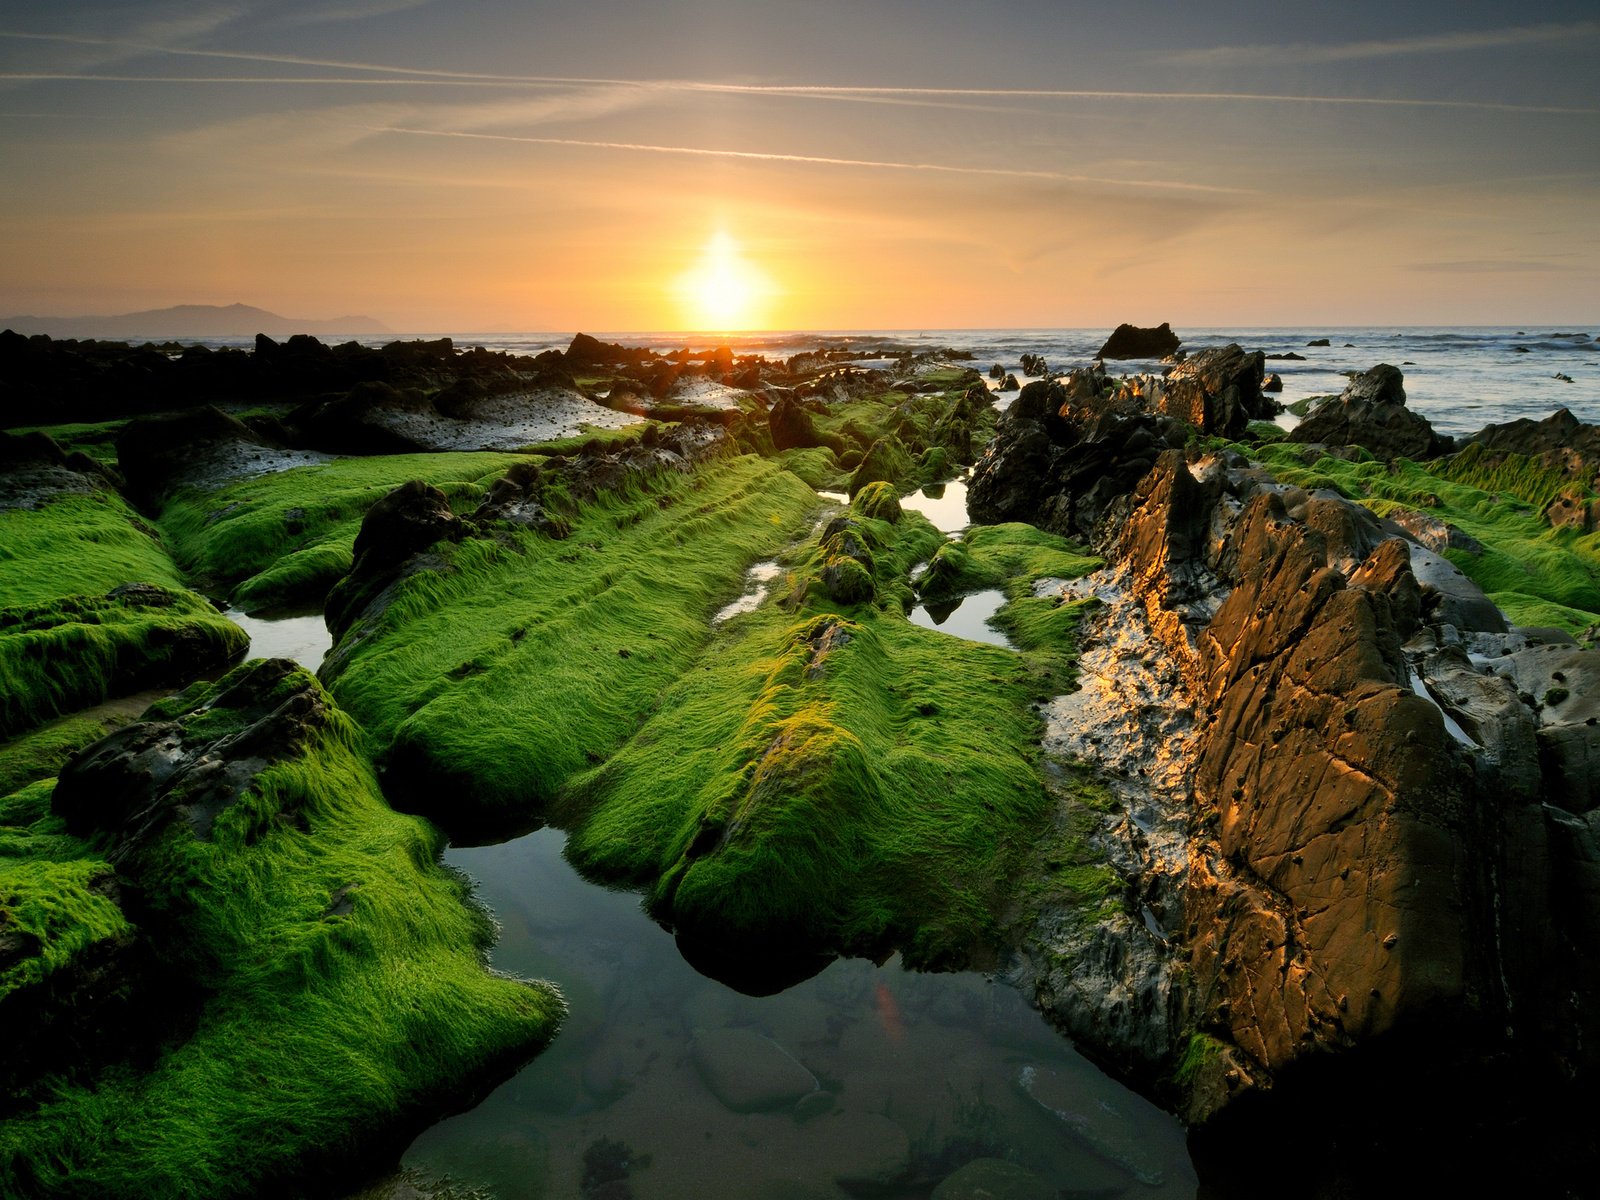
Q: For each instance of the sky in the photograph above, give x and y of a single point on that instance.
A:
(496, 165)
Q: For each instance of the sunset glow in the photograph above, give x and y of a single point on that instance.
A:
(723, 292)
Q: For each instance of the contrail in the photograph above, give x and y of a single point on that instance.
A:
(879, 164)
(484, 79)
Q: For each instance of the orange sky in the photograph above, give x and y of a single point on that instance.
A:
(491, 169)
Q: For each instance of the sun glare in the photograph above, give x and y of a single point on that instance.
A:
(722, 291)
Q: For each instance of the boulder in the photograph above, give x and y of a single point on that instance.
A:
(1217, 391)
(1371, 413)
(1133, 341)
(401, 525)
(748, 1071)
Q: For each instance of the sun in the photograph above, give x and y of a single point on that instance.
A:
(723, 292)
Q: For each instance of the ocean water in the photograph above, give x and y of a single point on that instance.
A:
(1461, 379)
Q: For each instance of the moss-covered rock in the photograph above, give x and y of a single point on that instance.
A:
(318, 983)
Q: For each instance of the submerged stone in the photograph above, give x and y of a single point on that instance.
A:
(748, 1071)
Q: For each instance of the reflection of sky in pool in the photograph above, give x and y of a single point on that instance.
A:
(965, 616)
(304, 638)
(944, 504)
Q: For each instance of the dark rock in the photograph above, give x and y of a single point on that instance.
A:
(1291, 356)
(792, 427)
(997, 372)
(1133, 341)
(1371, 413)
(1218, 391)
(1009, 383)
(1272, 383)
(405, 522)
(1560, 442)
(1319, 342)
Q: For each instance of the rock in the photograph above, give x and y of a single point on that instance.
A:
(1133, 341)
(1319, 342)
(997, 372)
(867, 1153)
(792, 427)
(203, 446)
(1560, 442)
(1371, 413)
(1034, 364)
(1272, 383)
(994, 1179)
(1218, 391)
(1088, 1109)
(1291, 356)
(404, 523)
(749, 1072)
(1009, 384)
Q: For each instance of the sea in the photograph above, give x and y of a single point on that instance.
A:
(1460, 378)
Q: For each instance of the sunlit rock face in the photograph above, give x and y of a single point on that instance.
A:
(1356, 822)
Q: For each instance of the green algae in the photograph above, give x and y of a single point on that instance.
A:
(522, 660)
(336, 975)
(40, 753)
(836, 779)
(72, 630)
(1536, 574)
(284, 539)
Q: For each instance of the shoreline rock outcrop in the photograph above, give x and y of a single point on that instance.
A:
(1365, 859)
(1134, 341)
(1371, 413)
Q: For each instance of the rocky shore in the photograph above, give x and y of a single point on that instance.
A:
(1278, 801)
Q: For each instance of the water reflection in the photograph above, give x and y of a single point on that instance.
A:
(965, 616)
(302, 637)
(944, 504)
(862, 1080)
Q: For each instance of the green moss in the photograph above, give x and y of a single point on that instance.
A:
(839, 778)
(285, 539)
(70, 634)
(337, 978)
(1200, 1050)
(816, 465)
(1537, 574)
(877, 501)
(488, 683)
(41, 753)
(57, 911)
(887, 460)
(1513, 474)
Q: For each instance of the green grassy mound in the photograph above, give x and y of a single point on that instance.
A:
(834, 778)
(330, 974)
(487, 683)
(1536, 574)
(72, 630)
(283, 540)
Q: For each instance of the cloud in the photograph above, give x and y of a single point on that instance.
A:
(1490, 266)
(823, 160)
(1455, 42)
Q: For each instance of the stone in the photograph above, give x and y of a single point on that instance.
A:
(1133, 341)
(994, 1179)
(1272, 383)
(749, 1072)
(1217, 391)
(1371, 413)
(1009, 383)
(866, 1152)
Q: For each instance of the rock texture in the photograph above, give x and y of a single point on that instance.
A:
(1376, 846)
(1371, 413)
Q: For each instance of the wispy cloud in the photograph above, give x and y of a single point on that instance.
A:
(824, 160)
(865, 93)
(1454, 42)
(1490, 266)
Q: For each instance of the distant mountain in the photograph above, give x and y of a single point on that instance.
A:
(189, 321)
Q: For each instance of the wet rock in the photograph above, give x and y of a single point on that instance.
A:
(1090, 1112)
(1009, 383)
(867, 1153)
(1560, 442)
(34, 470)
(792, 427)
(994, 1179)
(1133, 341)
(131, 786)
(1272, 383)
(749, 1072)
(1218, 391)
(202, 447)
(997, 372)
(1371, 413)
(1319, 342)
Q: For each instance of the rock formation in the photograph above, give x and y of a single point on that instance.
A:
(1358, 844)
(1134, 341)
(1371, 413)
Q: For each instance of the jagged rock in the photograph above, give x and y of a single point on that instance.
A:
(1272, 383)
(997, 372)
(1371, 413)
(1217, 391)
(203, 446)
(1133, 341)
(1560, 441)
(1008, 384)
